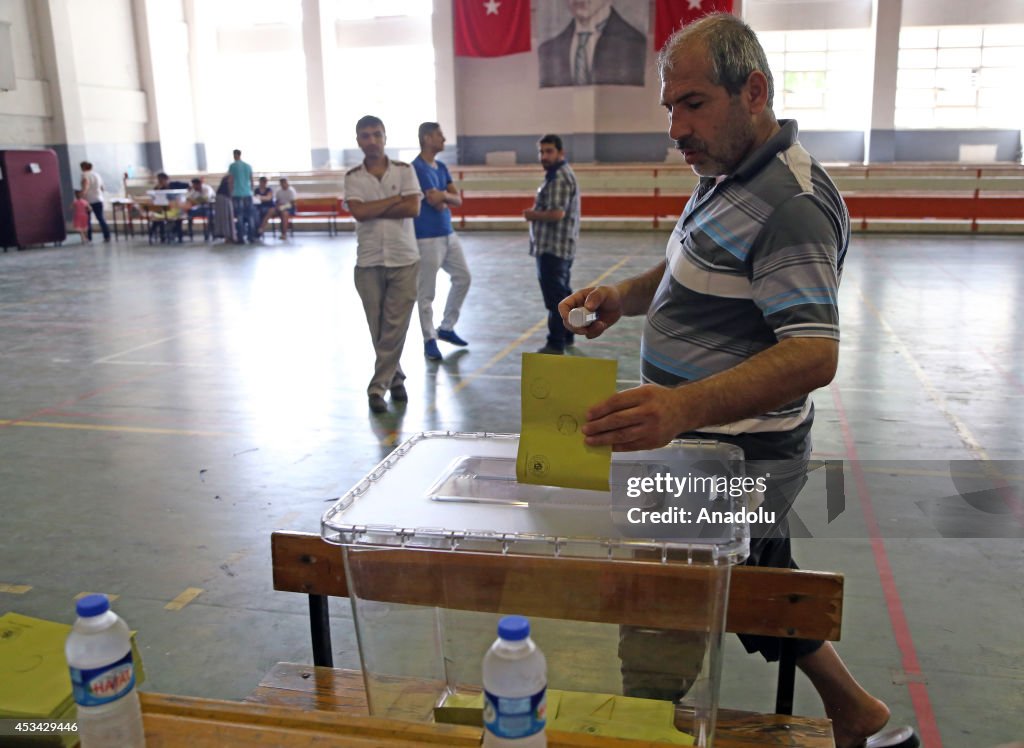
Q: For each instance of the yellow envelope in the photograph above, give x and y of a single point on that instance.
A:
(557, 391)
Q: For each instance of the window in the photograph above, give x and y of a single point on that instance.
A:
(960, 77)
(385, 59)
(820, 77)
(357, 10)
(257, 94)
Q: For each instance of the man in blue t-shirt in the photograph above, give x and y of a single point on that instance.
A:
(439, 245)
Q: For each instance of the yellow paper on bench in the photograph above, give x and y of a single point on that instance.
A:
(557, 391)
(34, 678)
(591, 713)
(617, 717)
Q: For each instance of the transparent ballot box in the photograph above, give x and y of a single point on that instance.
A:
(440, 540)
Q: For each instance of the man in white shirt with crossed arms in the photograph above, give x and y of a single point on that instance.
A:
(383, 196)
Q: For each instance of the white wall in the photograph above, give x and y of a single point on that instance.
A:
(791, 15)
(961, 12)
(25, 112)
(501, 96)
(499, 100)
(113, 103)
(168, 41)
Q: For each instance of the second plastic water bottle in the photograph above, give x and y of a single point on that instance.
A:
(99, 654)
(515, 688)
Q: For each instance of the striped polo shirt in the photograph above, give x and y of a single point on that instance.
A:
(754, 259)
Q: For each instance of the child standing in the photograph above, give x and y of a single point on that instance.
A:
(80, 216)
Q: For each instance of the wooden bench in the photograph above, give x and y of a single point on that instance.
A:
(948, 197)
(783, 603)
(212, 723)
(325, 209)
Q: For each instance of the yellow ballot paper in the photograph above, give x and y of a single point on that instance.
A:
(557, 391)
(589, 713)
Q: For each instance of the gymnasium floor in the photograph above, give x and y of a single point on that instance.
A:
(164, 408)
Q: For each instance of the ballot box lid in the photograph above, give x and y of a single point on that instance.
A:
(458, 492)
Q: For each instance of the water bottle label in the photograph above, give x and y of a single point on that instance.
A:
(515, 718)
(97, 686)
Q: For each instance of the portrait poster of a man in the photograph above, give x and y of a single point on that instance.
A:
(592, 42)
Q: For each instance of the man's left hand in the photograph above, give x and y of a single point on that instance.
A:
(435, 198)
(645, 417)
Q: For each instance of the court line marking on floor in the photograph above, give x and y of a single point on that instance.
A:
(15, 589)
(992, 469)
(916, 683)
(237, 556)
(288, 519)
(175, 364)
(107, 595)
(115, 429)
(107, 359)
(190, 594)
(930, 390)
(524, 337)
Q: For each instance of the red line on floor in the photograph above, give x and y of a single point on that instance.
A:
(50, 409)
(928, 729)
(1007, 375)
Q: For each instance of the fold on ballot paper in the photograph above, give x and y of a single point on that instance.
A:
(557, 391)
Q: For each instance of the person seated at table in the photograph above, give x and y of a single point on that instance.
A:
(165, 221)
(177, 210)
(200, 199)
(164, 182)
(283, 208)
(263, 196)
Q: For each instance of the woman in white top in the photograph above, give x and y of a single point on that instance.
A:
(92, 191)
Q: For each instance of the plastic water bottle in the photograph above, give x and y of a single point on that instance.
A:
(99, 654)
(515, 688)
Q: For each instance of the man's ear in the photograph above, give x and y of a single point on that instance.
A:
(756, 92)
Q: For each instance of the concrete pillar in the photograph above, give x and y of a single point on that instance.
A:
(443, 33)
(880, 139)
(202, 59)
(58, 60)
(163, 43)
(140, 18)
(319, 40)
(582, 143)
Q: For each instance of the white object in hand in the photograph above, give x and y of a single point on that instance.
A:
(581, 316)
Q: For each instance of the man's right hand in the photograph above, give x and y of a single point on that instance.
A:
(605, 300)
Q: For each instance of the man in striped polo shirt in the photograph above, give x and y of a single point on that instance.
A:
(742, 324)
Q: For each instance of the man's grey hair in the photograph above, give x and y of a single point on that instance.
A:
(732, 46)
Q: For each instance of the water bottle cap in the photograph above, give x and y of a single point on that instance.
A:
(92, 605)
(513, 628)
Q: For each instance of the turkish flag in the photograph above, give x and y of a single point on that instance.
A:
(672, 15)
(491, 28)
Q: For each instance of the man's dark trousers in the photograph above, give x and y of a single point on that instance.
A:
(553, 274)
